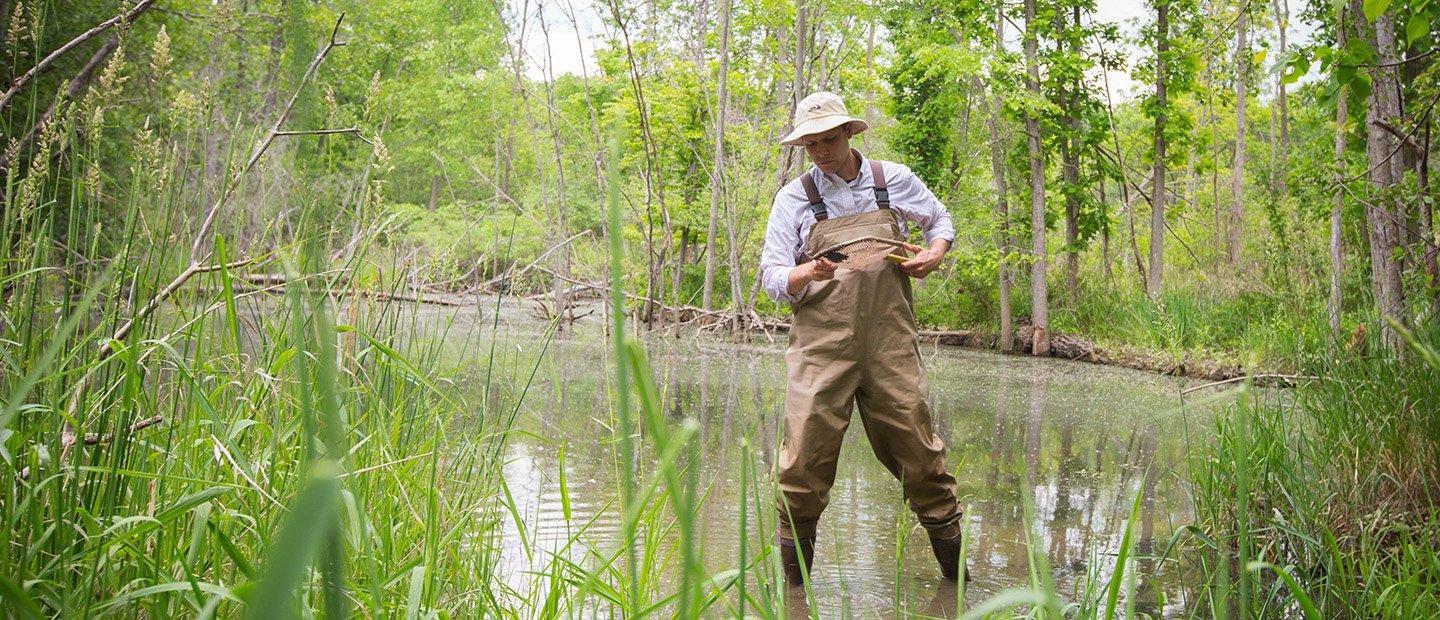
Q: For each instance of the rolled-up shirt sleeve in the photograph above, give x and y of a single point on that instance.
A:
(918, 204)
(781, 249)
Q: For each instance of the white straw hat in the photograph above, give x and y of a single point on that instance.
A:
(820, 112)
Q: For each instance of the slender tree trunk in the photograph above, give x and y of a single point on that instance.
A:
(717, 178)
(870, 84)
(1237, 171)
(1282, 19)
(1385, 214)
(1040, 310)
(1337, 256)
(797, 88)
(1105, 233)
(1070, 154)
(654, 181)
(1154, 283)
(1125, 195)
(1002, 207)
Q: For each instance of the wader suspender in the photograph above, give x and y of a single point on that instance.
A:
(817, 204)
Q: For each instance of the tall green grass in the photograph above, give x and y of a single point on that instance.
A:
(1329, 493)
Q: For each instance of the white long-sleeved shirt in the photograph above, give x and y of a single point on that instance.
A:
(790, 217)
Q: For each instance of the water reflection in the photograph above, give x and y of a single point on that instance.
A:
(1080, 440)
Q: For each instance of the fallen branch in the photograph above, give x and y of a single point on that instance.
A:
(45, 63)
(160, 297)
(93, 439)
(275, 283)
(508, 273)
(1285, 380)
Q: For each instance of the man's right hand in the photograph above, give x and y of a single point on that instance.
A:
(817, 270)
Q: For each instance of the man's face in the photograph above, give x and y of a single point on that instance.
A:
(829, 149)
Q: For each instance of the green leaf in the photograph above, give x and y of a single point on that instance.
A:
(1298, 66)
(1373, 8)
(312, 516)
(17, 602)
(1418, 27)
(1307, 606)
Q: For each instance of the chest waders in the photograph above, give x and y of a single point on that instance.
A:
(853, 344)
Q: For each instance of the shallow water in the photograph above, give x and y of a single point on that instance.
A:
(1082, 439)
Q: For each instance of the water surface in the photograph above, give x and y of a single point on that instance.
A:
(1078, 440)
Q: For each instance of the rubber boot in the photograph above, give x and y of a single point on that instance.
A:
(794, 553)
(947, 553)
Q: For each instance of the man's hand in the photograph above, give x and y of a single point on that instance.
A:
(817, 270)
(925, 260)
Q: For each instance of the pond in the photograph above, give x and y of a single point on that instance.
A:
(1078, 440)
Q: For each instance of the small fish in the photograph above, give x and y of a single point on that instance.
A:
(834, 256)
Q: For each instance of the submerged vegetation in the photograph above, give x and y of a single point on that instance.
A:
(222, 393)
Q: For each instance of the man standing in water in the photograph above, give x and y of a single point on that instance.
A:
(853, 340)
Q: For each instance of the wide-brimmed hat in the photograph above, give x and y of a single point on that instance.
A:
(817, 113)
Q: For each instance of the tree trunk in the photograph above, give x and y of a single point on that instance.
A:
(1105, 234)
(1383, 215)
(1038, 293)
(1237, 171)
(1337, 256)
(717, 177)
(1282, 19)
(1002, 207)
(1070, 154)
(1154, 281)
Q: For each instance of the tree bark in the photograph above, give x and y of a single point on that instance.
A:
(1070, 154)
(1040, 314)
(717, 176)
(1154, 281)
(1002, 207)
(1337, 256)
(1384, 214)
(1282, 21)
(1237, 170)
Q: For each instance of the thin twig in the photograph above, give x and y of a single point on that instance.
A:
(45, 63)
(325, 132)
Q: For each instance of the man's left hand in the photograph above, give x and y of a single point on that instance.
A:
(925, 260)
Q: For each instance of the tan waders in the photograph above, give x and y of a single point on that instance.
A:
(853, 344)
